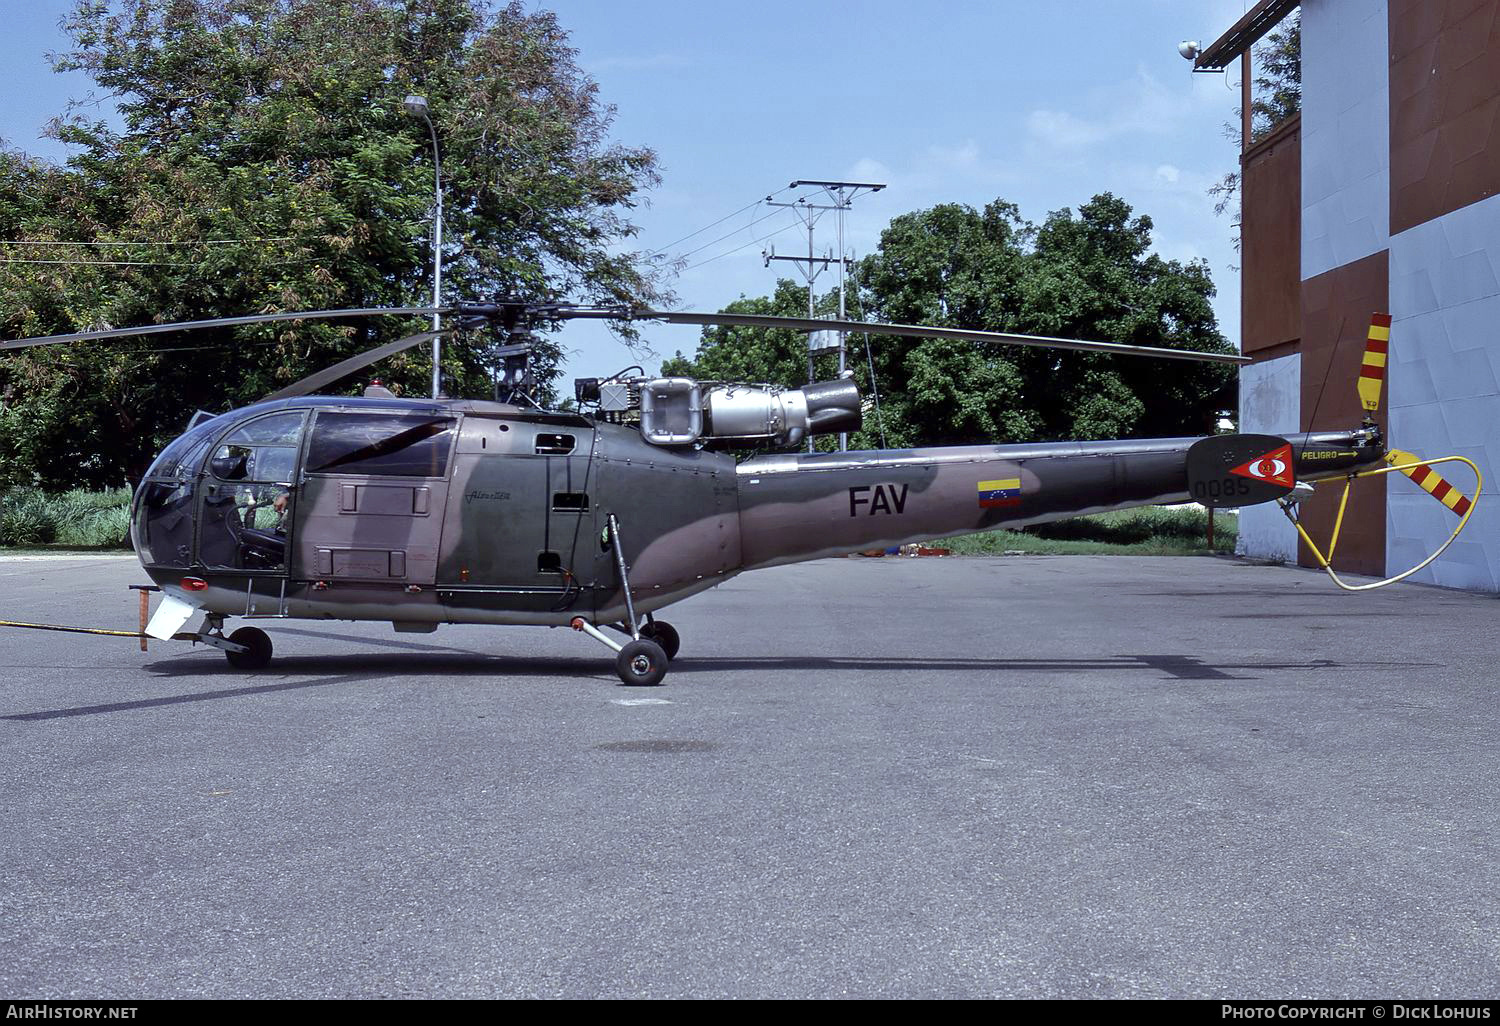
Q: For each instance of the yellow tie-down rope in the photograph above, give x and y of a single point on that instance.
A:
(1402, 463)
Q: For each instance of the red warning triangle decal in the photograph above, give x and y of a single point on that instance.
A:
(1275, 467)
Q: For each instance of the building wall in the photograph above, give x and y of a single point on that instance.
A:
(1270, 403)
(1444, 399)
(1445, 107)
(1271, 245)
(1445, 276)
(1345, 242)
(1400, 133)
(1336, 309)
(1345, 132)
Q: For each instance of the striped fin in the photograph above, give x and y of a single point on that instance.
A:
(1372, 369)
(1431, 481)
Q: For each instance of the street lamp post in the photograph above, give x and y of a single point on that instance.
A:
(417, 107)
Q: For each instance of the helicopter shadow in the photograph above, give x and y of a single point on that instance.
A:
(430, 662)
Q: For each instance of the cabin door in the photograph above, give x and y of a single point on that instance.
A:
(374, 487)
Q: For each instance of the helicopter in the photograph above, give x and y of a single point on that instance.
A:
(421, 512)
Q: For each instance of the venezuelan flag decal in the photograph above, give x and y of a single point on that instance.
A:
(1004, 492)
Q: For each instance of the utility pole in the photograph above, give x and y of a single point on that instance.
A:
(840, 195)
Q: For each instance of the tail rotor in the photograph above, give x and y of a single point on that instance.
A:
(1422, 472)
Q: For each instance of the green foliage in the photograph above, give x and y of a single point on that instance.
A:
(78, 519)
(1089, 275)
(267, 142)
(26, 518)
(1277, 96)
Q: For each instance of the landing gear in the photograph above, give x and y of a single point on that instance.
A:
(641, 663)
(256, 654)
(664, 634)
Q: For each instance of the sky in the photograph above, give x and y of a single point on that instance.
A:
(1041, 104)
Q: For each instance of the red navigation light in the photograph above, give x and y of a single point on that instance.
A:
(194, 584)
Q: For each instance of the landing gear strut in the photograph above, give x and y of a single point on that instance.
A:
(641, 661)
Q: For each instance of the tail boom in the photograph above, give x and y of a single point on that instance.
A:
(798, 507)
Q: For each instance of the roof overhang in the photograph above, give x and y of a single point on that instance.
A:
(1243, 34)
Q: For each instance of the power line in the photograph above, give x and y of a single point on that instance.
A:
(736, 249)
(731, 235)
(715, 224)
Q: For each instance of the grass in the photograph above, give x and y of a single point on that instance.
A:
(1149, 531)
(79, 519)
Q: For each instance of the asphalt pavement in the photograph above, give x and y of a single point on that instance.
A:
(1022, 776)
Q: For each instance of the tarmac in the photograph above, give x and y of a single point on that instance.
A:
(1010, 777)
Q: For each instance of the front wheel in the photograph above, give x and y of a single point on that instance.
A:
(257, 654)
(641, 663)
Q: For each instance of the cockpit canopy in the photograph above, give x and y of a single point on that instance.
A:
(220, 495)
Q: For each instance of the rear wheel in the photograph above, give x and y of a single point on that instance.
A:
(641, 663)
(257, 654)
(665, 635)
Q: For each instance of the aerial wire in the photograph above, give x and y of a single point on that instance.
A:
(747, 245)
(715, 224)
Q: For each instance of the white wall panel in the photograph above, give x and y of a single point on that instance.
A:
(1445, 388)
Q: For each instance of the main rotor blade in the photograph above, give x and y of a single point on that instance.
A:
(920, 331)
(328, 375)
(222, 322)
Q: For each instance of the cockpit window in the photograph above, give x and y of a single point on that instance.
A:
(264, 449)
(380, 445)
(281, 429)
(184, 456)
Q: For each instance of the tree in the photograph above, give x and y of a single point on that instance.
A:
(1089, 275)
(266, 164)
(1277, 96)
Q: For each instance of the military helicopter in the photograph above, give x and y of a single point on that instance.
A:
(422, 512)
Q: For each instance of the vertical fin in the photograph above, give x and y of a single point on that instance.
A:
(1372, 369)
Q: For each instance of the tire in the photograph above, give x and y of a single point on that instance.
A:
(641, 663)
(257, 654)
(665, 635)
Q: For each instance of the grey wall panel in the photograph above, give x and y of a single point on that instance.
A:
(1270, 403)
(1345, 132)
(1445, 387)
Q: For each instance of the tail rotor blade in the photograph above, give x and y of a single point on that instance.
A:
(1372, 369)
(1430, 481)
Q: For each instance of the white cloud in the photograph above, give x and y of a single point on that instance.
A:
(1141, 107)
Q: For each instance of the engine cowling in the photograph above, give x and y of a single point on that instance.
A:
(682, 412)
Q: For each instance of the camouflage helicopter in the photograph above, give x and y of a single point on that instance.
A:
(421, 512)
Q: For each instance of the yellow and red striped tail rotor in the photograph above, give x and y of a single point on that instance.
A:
(1430, 481)
(1372, 370)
